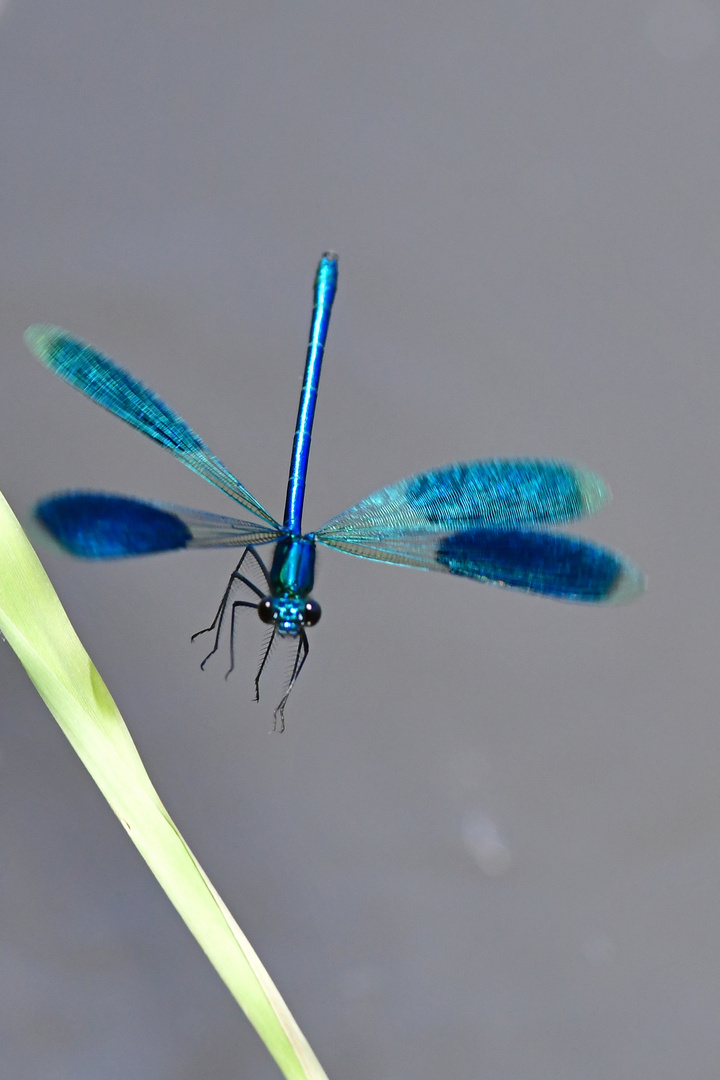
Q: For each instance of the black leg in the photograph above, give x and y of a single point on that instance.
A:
(235, 604)
(259, 563)
(264, 661)
(300, 657)
(217, 622)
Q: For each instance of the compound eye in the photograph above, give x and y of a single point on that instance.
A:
(265, 610)
(311, 613)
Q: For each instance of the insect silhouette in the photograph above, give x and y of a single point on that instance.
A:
(483, 520)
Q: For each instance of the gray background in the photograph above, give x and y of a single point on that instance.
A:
(488, 844)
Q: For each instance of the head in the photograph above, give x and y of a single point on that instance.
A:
(289, 614)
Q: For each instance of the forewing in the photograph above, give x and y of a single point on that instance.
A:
(120, 393)
(499, 494)
(96, 525)
(564, 567)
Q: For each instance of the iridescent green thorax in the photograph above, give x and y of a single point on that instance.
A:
(292, 572)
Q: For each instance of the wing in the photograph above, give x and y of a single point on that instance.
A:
(115, 389)
(502, 494)
(564, 567)
(95, 525)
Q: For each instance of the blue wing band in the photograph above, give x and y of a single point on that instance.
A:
(101, 379)
(565, 567)
(96, 525)
(507, 494)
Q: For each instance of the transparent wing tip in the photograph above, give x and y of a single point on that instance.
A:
(42, 340)
(593, 491)
(630, 584)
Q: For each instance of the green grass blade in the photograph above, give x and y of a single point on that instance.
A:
(36, 626)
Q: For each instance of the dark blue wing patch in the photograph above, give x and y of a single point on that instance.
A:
(546, 563)
(92, 525)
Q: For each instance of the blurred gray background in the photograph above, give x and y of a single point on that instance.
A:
(488, 844)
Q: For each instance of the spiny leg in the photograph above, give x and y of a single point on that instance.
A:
(235, 605)
(300, 657)
(264, 661)
(235, 576)
(217, 622)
